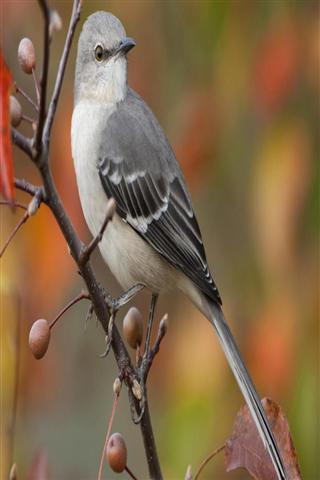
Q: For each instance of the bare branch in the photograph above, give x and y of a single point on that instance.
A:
(36, 85)
(28, 187)
(14, 204)
(147, 363)
(82, 295)
(26, 96)
(207, 460)
(129, 472)
(14, 231)
(75, 15)
(114, 408)
(30, 210)
(22, 142)
(44, 75)
(87, 250)
(28, 119)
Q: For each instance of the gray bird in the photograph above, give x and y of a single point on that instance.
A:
(120, 151)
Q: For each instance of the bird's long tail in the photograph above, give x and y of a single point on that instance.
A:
(216, 317)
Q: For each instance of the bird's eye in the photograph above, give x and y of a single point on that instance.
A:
(98, 52)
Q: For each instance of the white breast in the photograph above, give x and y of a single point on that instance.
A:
(129, 257)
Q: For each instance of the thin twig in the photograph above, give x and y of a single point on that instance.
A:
(147, 362)
(207, 460)
(28, 187)
(82, 295)
(87, 250)
(129, 472)
(114, 408)
(28, 119)
(14, 231)
(22, 142)
(26, 96)
(75, 15)
(44, 75)
(36, 85)
(14, 204)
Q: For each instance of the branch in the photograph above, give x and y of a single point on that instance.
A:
(30, 210)
(14, 204)
(147, 362)
(22, 142)
(114, 408)
(75, 15)
(28, 187)
(207, 460)
(51, 198)
(21, 222)
(87, 250)
(26, 96)
(82, 295)
(44, 75)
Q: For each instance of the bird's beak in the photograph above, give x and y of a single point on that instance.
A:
(126, 45)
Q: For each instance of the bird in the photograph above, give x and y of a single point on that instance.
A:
(120, 151)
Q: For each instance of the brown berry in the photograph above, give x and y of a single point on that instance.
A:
(116, 452)
(39, 338)
(27, 55)
(133, 327)
(15, 112)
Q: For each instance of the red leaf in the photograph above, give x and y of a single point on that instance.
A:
(245, 449)
(6, 165)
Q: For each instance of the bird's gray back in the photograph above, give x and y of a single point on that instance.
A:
(132, 131)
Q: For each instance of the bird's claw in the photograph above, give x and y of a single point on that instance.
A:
(108, 337)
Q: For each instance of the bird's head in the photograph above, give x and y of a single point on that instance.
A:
(101, 67)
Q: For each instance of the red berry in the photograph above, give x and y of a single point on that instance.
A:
(133, 327)
(27, 55)
(116, 452)
(39, 338)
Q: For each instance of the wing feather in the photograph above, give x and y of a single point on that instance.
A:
(143, 176)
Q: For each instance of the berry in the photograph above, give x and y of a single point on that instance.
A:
(27, 55)
(133, 327)
(15, 112)
(116, 452)
(39, 338)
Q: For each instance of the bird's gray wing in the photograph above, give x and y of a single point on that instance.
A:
(139, 170)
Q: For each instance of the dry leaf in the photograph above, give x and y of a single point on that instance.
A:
(245, 449)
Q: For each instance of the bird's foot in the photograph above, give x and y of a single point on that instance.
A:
(108, 337)
(89, 315)
(126, 296)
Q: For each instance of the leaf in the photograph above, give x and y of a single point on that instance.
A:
(6, 165)
(39, 469)
(245, 449)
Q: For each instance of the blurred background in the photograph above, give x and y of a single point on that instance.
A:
(235, 86)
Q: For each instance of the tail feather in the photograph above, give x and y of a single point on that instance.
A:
(247, 388)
